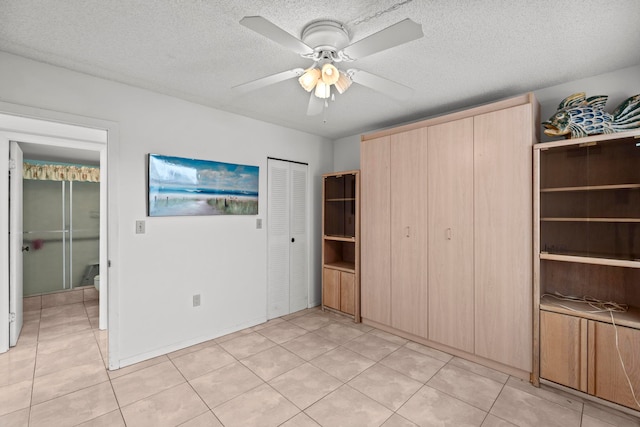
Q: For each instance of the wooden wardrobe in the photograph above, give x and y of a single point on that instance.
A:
(446, 232)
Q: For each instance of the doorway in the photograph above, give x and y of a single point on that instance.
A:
(51, 134)
(287, 237)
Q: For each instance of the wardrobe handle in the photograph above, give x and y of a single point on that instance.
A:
(449, 233)
(407, 229)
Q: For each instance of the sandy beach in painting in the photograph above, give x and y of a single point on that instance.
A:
(172, 203)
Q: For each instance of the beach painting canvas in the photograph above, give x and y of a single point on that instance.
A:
(180, 186)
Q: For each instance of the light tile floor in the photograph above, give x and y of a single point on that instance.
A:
(306, 369)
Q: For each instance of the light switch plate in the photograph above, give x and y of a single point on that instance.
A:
(258, 223)
(140, 227)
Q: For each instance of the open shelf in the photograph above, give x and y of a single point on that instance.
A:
(340, 238)
(591, 188)
(560, 219)
(591, 259)
(630, 318)
(349, 267)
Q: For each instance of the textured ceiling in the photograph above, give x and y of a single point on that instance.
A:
(473, 51)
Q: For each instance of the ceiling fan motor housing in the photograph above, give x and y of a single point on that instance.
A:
(325, 36)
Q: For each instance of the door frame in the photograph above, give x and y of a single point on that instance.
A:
(51, 128)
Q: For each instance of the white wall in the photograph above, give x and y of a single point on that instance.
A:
(222, 258)
(619, 85)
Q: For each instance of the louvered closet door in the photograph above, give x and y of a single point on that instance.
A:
(298, 254)
(287, 258)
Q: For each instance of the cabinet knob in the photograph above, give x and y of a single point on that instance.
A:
(293, 239)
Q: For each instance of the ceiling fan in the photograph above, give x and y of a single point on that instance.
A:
(327, 43)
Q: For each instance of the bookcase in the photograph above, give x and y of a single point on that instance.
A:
(587, 239)
(341, 243)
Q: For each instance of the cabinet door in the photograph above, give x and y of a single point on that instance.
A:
(563, 349)
(375, 277)
(606, 377)
(331, 288)
(503, 236)
(347, 292)
(450, 223)
(409, 305)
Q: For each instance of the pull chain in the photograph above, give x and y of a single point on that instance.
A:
(382, 12)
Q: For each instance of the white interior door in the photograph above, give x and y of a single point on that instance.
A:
(277, 238)
(287, 258)
(299, 254)
(15, 243)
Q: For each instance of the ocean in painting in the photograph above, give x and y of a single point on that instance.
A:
(180, 186)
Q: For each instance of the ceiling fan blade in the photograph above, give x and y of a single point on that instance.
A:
(395, 35)
(268, 80)
(380, 84)
(316, 105)
(272, 31)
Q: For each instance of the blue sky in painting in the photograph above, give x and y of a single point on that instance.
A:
(179, 172)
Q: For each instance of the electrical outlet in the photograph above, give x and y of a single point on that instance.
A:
(196, 300)
(139, 227)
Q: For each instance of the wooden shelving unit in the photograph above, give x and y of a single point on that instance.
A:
(341, 243)
(587, 244)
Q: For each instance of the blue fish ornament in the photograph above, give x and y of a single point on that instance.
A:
(579, 116)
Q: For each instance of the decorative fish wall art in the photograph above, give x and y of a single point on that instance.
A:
(579, 116)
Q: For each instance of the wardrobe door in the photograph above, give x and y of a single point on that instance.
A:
(450, 223)
(409, 292)
(375, 239)
(503, 235)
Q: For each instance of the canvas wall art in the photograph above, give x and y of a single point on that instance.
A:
(181, 186)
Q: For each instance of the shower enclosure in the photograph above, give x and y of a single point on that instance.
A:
(61, 223)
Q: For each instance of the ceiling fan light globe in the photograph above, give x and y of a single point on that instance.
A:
(330, 74)
(309, 79)
(323, 90)
(343, 83)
